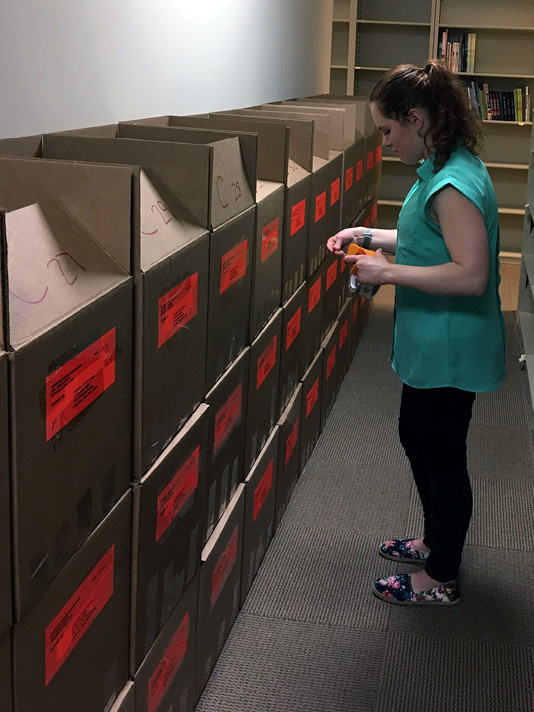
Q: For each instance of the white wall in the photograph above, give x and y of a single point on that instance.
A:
(72, 63)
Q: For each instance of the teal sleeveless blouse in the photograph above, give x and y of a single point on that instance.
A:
(441, 341)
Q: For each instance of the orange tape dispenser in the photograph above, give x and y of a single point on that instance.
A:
(365, 290)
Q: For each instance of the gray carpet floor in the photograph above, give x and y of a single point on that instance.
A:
(311, 637)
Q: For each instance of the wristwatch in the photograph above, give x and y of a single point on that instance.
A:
(367, 236)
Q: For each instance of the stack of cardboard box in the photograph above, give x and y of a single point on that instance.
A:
(176, 335)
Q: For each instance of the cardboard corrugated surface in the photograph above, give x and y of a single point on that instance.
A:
(125, 700)
(166, 532)
(310, 424)
(294, 313)
(79, 624)
(288, 454)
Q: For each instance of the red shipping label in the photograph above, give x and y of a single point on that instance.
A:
(354, 311)
(293, 327)
(74, 386)
(359, 170)
(233, 266)
(370, 160)
(349, 178)
(168, 666)
(378, 154)
(331, 275)
(174, 496)
(262, 491)
(269, 239)
(362, 301)
(227, 418)
(224, 566)
(177, 308)
(311, 398)
(373, 213)
(343, 333)
(291, 442)
(314, 295)
(342, 267)
(335, 190)
(78, 614)
(266, 363)
(330, 362)
(320, 206)
(298, 216)
(367, 221)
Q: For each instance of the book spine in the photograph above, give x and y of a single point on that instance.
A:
(489, 112)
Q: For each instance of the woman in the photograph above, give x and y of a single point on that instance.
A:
(449, 336)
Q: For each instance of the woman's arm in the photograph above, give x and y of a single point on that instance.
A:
(466, 239)
(383, 239)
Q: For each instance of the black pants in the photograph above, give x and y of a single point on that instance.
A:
(433, 425)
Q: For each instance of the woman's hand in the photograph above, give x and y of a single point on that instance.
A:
(370, 270)
(339, 243)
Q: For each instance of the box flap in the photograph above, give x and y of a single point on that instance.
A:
(264, 189)
(336, 116)
(29, 146)
(54, 269)
(164, 227)
(273, 140)
(321, 136)
(300, 139)
(352, 132)
(248, 142)
(295, 173)
(98, 197)
(212, 541)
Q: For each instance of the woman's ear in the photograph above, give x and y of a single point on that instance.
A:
(416, 118)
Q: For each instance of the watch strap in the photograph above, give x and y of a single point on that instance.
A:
(367, 236)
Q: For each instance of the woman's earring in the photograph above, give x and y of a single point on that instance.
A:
(419, 132)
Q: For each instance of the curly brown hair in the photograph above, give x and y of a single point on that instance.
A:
(436, 90)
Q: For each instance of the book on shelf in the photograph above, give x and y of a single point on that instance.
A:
(457, 50)
(501, 105)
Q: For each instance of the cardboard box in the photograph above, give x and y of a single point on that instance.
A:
(169, 247)
(233, 232)
(354, 150)
(220, 583)
(166, 679)
(260, 493)
(229, 293)
(166, 537)
(297, 160)
(368, 215)
(325, 194)
(71, 647)
(313, 322)
(268, 190)
(227, 422)
(310, 421)
(125, 700)
(292, 350)
(331, 370)
(6, 687)
(359, 309)
(6, 601)
(288, 454)
(165, 247)
(343, 335)
(70, 337)
(264, 381)
(335, 281)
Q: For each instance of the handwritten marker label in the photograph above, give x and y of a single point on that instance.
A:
(224, 566)
(359, 170)
(370, 160)
(227, 418)
(266, 362)
(331, 362)
(343, 333)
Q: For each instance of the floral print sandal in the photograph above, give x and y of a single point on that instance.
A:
(398, 589)
(399, 550)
